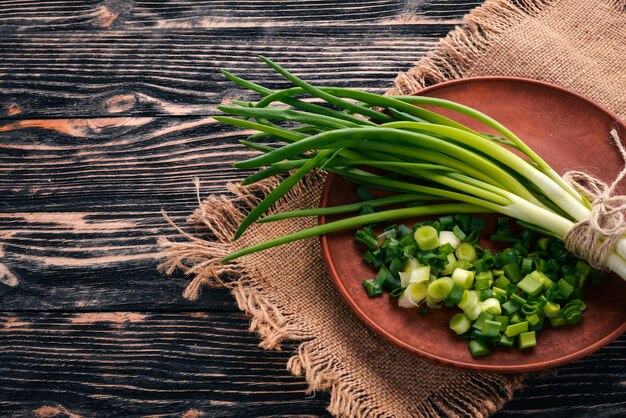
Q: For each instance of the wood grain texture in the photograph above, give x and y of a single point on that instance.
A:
(105, 109)
(131, 364)
(82, 197)
(140, 73)
(185, 14)
(138, 363)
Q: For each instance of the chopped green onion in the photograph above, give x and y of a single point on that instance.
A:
(459, 233)
(439, 289)
(480, 321)
(515, 318)
(503, 320)
(454, 298)
(481, 265)
(448, 237)
(527, 265)
(502, 282)
(463, 278)
(450, 266)
(529, 285)
(512, 272)
(565, 289)
(478, 348)
(558, 321)
(491, 306)
(367, 237)
(507, 256)
(485, 294)
(515, 329)
(527, 340)
(427, 238)
(417, 274)
(496, 291)
(507, 341)
(511, 307)
(372, 288)
(533, 319)
(463, 264)
(551, 309)
(468, 301)
(413, 295)
(491, 328)
(518, 298)
(460, 323)
(466, 251)
(482, 283)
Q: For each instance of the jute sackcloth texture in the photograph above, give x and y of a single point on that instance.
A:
(286, 290)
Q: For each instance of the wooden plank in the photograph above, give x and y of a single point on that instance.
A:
(124, 73)
(82, 198)
(130, 364)
(135, 363)
(155, 15)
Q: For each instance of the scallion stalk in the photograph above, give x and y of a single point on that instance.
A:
(436, 156)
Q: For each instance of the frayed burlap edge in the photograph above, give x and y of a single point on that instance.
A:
(464, 45)
(199, 258)
(217, 219)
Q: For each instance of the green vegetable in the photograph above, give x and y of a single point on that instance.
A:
(551, 309)
(352, 223)
(558, 321)
(466, 251)
(504, 322)
(512, 271)
(511, 307)
(427, 238)
(439, 289)
(491, 328)
(516, 329)
(455, 296)
(374, 287)
(531, 286)
(565, 289)
(507, 341)
(527, 340)
(417, 274)
(492, 306)
(463, 278)
(460, 323)
(367, 237)
(354, 207)
(478, 348)
(414, 295)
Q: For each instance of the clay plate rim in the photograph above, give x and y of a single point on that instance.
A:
(533, 366)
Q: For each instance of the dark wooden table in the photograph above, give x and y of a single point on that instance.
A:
(106, 116)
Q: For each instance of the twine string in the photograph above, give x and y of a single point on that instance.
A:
(594, 237)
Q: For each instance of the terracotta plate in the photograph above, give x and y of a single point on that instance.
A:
(569, 132)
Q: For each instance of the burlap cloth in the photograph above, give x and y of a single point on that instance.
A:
(579, 44)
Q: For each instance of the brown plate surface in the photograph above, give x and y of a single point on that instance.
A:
(569, 132)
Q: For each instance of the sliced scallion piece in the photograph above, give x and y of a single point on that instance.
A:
(460, 323)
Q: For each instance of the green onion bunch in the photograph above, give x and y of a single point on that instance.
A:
(392, 144)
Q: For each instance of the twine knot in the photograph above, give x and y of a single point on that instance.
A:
(594, 237)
